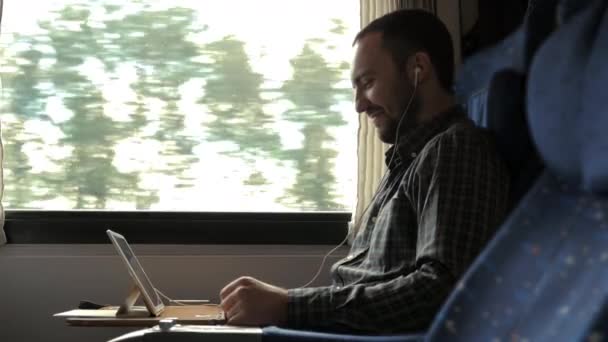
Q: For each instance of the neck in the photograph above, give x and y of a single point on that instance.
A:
(431, 106)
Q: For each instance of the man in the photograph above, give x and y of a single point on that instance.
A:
(443, 196)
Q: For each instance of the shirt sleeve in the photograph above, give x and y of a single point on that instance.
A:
(405, 303)
(461, 191)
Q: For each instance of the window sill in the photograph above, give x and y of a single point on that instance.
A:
(183, 228)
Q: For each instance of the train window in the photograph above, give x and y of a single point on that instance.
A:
(183, 105)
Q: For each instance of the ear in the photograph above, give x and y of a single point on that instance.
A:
(419, 67)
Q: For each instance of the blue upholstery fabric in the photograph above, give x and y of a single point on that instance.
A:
(514, 53)
(595, 113)
(543, 277)
(274, 334)
(491, 86)
(475, 75)
(506, 118)
(556, 80)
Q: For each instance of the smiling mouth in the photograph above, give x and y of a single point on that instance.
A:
(376, 118)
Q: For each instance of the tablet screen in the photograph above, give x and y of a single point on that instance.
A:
(136, 271)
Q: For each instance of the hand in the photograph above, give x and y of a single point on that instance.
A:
(248, 301)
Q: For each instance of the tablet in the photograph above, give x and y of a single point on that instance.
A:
(150, 296)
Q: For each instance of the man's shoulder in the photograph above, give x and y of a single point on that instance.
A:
(464, 132)
(463, 135)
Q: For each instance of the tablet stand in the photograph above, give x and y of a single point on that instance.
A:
(128, 308)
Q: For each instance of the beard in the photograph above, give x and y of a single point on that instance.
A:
(391, 128)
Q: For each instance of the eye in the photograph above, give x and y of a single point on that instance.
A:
(367, 83)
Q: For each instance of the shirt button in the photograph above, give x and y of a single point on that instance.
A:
(374, 219)
(413, 154)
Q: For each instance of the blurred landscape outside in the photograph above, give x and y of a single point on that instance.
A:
(182, 105)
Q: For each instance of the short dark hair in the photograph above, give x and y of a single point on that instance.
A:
(405, 32)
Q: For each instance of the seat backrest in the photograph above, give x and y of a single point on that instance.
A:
(491, 86)
(544, 277)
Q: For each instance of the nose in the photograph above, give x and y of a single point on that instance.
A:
(361, 101)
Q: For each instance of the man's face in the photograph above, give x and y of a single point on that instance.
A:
(382, 89)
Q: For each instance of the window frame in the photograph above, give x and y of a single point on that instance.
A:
(162, 227)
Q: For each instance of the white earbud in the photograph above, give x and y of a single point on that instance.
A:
(416, 72)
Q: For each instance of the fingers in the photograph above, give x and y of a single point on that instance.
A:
(236, 307)
(228, 289)
(233, 313)
(235, 293)
(238, 319)
(232, 299)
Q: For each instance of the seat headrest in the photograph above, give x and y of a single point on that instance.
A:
(567, 103)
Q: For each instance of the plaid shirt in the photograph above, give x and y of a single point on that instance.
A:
(444, 195)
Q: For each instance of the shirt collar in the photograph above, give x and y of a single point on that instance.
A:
(413, 139)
